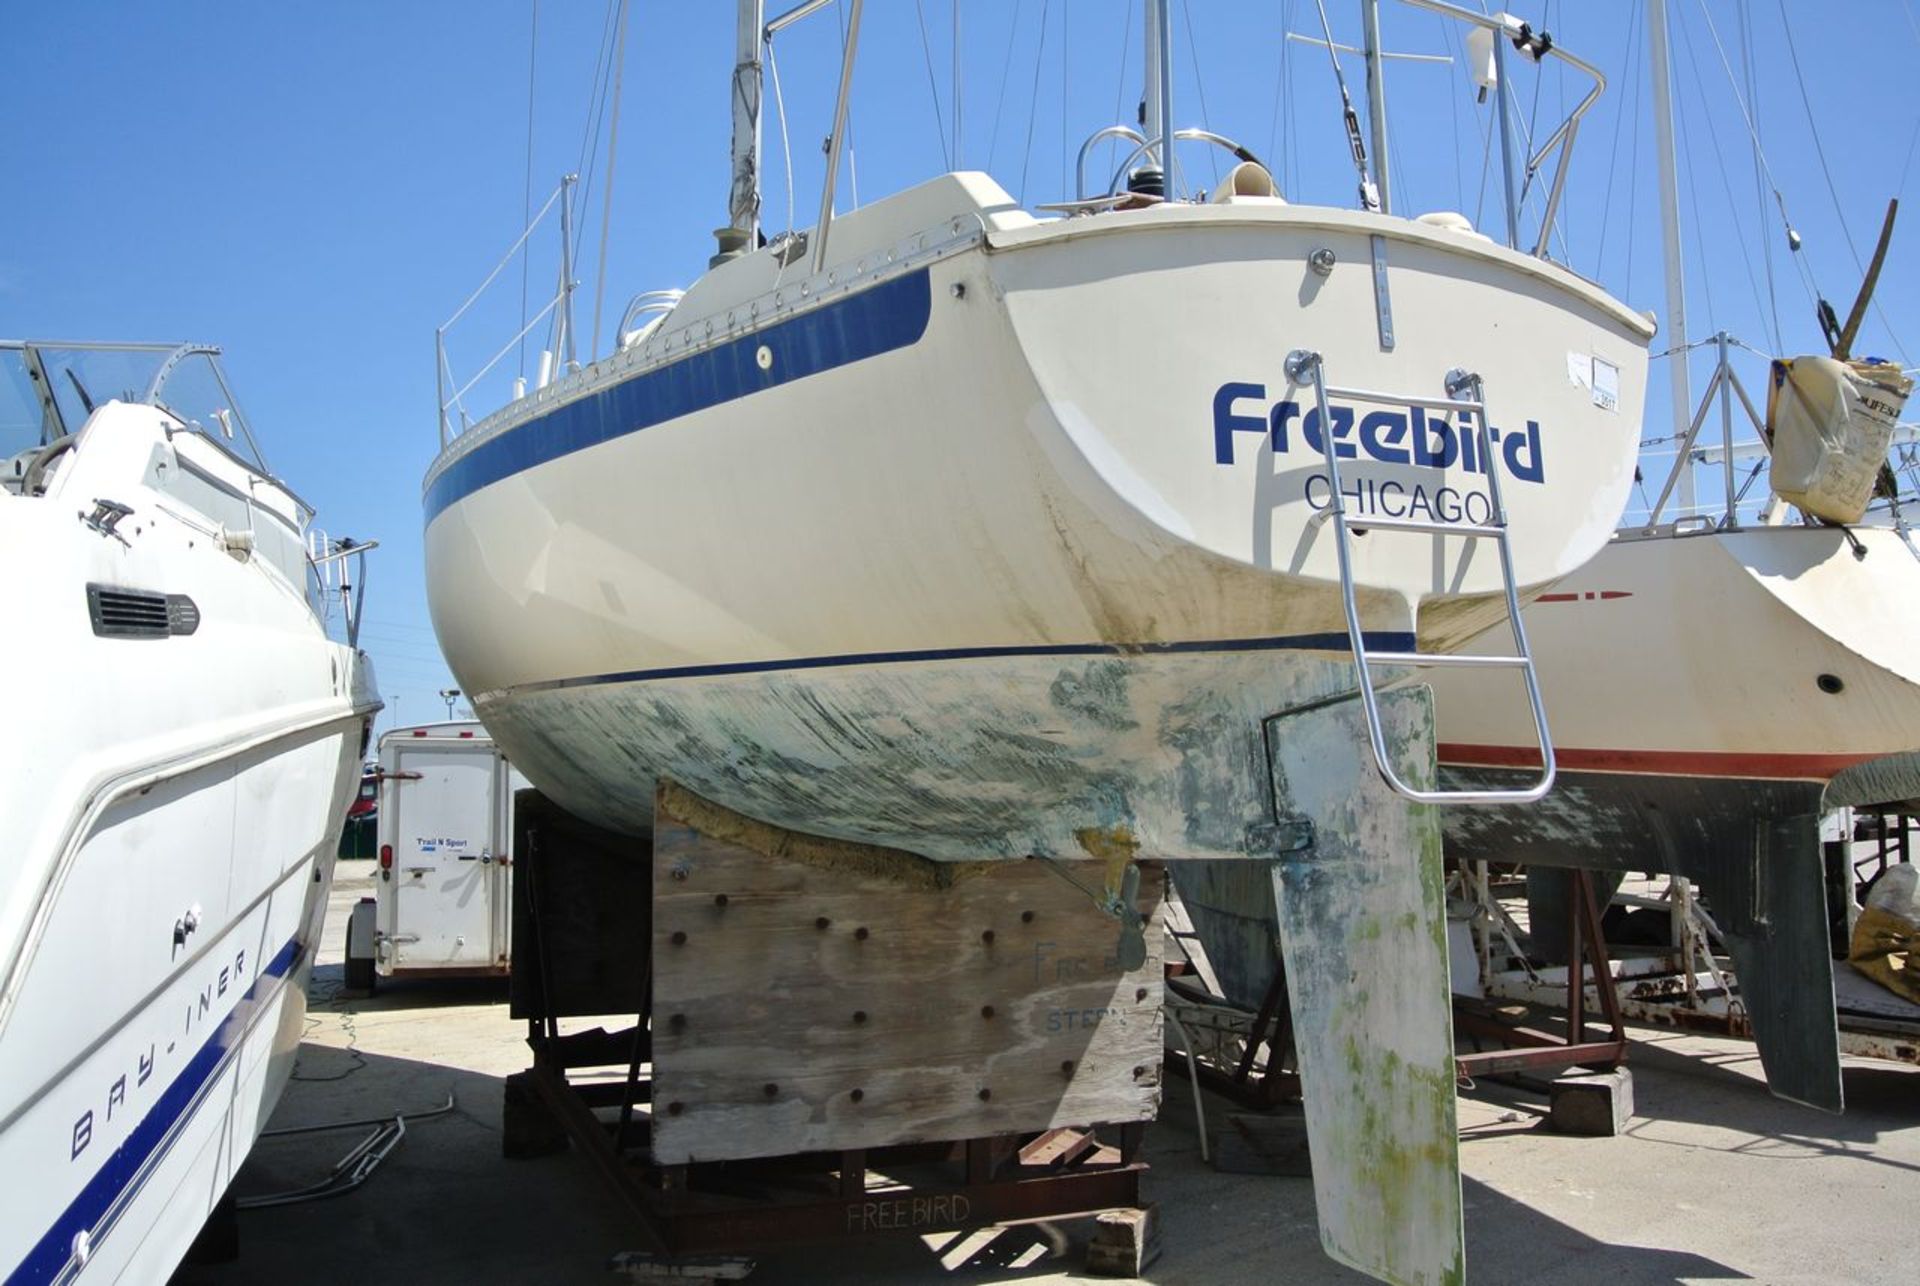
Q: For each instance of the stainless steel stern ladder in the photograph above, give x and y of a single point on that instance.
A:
(1465, 396)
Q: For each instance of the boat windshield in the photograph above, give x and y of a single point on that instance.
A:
(182, 379)
(25, 424)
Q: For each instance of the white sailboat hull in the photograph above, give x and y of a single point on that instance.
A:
(172, 802)
(998, 531)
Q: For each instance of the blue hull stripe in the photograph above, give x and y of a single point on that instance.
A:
(111, 1183)
(877, 320)
(1381, 642)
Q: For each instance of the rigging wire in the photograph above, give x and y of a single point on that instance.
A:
(1726, 184)
(959, 116)
(1489, 116)
(1280, 130)
(1119, 85)
(933, 88)
(1613, 152)
(1759, 182)
(853, 164)
(1533, 115)
(1033, 108)
(1749, 104)
(1453, 108)
(1819, 149)
(1200, 88)
(606, 193)
(1369, 195)
(589, 152)
(1693, 203)
(786, 141)
(1066, 47)
(526, 198)
(1000, 99)
(1633, 184)
(1832, 191)
(596, 115)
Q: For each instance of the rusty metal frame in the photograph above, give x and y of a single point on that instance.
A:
(1529, 1049)
(911, 1189)
(1271, 1026)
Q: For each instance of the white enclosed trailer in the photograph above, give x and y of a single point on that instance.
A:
(442, 899)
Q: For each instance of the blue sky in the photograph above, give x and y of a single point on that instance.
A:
(315, 187)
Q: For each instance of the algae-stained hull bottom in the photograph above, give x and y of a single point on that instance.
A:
(1605, 821)
(1151, 752)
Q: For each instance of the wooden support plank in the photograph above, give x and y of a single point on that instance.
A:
(810, 996)
(1057, 1148)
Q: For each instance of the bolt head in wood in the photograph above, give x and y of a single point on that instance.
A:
(679, 938)
(985, 1093)
(987, 937)
(859, 1015)
(821, 922)
(675, 1109)
(770, 1089)
(678, 1022)
(857, 1095)
(719, 899)
(861, 933)
(986, 1011)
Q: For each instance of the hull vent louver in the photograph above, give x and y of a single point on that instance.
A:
(140, 614)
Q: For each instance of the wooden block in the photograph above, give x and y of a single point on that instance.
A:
(528, 1126)
(1124, 1242)
(1594, 1104)
(1263, 1144)
(815, 996)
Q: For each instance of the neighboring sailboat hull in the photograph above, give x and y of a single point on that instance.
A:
(1703, 692)
(1765, 654)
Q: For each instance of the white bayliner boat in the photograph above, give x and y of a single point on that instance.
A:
(955, 529)
(183, 741)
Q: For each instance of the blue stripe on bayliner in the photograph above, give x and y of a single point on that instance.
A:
(110, 1183)
(1381, 642)
(876, 320)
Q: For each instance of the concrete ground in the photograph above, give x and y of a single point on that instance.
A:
(1714, 1181)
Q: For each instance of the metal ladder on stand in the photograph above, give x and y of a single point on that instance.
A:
(1303, 365)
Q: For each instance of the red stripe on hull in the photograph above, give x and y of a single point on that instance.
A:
(1657, 763)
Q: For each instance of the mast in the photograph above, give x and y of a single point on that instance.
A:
(743, 197)
(1676, 326)
(1158, 124)
(1376, 98)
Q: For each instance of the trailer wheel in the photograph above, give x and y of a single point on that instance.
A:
(359, 974)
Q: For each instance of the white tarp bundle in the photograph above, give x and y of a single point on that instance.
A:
(1832, 423)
